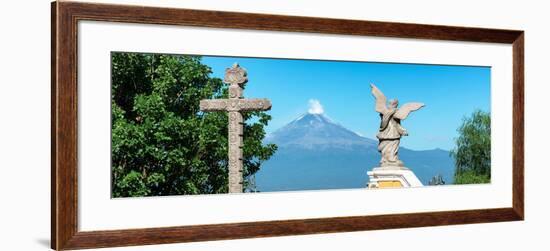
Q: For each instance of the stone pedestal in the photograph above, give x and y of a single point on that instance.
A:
(392, 177)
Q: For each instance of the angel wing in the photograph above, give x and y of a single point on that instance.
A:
(407, 108)
(381, 100)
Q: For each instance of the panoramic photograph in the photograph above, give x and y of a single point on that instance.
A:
(198, 124)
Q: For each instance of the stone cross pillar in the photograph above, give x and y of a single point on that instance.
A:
(236, 77)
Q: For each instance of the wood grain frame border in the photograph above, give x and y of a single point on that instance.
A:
(64, 128)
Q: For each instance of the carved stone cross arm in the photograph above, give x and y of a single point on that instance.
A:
(235, 105)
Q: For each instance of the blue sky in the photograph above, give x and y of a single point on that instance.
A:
(342, 89)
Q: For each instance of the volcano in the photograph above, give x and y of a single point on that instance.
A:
(315, 152)
(316, 131)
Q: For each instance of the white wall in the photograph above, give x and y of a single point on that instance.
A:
(25, 125)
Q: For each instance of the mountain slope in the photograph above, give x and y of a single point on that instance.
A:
(317, 131)
(317, 153)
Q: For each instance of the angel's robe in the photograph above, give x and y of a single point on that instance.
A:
(389, 135)
(390, 127)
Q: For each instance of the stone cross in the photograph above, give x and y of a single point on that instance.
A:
(236, 77)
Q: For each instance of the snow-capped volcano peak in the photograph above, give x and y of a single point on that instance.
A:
(312, 117)
(315, 130)
(318, 130)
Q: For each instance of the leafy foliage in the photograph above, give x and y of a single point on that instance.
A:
(472, 153)
(470, 177)
(162, 144)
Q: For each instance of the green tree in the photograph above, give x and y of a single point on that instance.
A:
(162, 144)
(472, 153)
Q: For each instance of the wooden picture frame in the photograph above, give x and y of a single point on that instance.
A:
(64, 190)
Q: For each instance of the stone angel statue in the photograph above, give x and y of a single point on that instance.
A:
(390, 131)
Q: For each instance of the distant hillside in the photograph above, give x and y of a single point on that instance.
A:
(317, 153)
